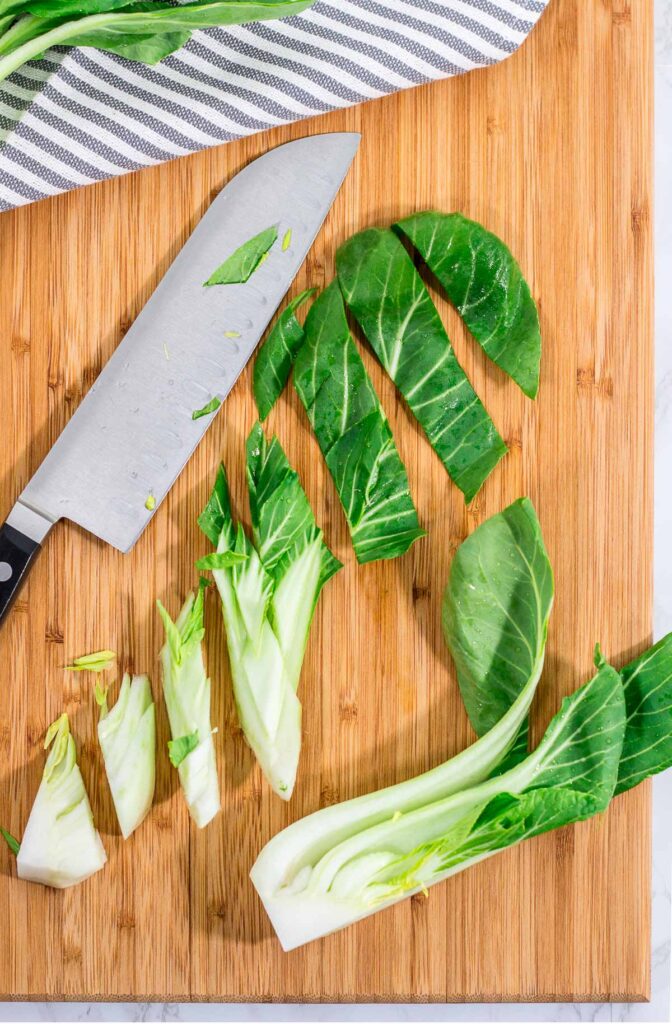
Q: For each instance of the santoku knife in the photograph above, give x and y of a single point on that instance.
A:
(133, 432)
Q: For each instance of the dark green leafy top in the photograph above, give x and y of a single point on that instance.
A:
(241, 264)
(354, 434)
(276, 356)
(486, 285)
(647, 684)
(389, 299)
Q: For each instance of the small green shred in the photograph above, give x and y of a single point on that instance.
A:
(150, 504)
(12, 843)
(221, 560)
(241, 264)
(287, 240)
(166, 352)
(99, 661)
(231, 334)
(100, 695)
(181, 747)
(211, 406)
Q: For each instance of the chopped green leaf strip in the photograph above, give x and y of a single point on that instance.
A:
(287, 240)
(221, 560)
(486, 285)
(647, 684)
(150, 503)
(100, 696)
(389, 299)
(241, 264)
(211, 406)
(12, 843)
(231, 334)
(217, 513)
(276, 356)
(180, 748)
(354, 434)
(99, 661)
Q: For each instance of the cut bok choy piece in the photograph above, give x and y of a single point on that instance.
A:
(186, 689)
(314, 880)
(127, 736)
(268, 601)
(60, 846)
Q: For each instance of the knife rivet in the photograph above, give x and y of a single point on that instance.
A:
(6, 572)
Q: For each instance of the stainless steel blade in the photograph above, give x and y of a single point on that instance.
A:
(133, 432)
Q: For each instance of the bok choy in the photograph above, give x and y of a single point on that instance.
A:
(186, 689)
(350, 860)
(141, 30)
(60, 846)
(269, 590)
(127, 736)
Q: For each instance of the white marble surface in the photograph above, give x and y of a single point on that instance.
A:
(658, 1009)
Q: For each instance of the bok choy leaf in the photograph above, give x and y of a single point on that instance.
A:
(495, 616)
(268, 601)
(127, 736)
(186, 689)
(354, 434)
(389, 299)
(274, 362)
(647, 684)
(486, 285)
(60, 846)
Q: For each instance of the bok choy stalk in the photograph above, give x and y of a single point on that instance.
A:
(141, 30)
(186, 689)
(347, 861)
(127, 736)
(312, 883)
(268, 601)
(60, 846)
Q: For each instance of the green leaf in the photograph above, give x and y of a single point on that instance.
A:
(389, 299)
(486, 285)
(496, 610)
(211, 406)
(647, 685)
(12, 843)
(146, 49)
(99, 661)
(216, 516)
(282, 519)
(180, 748)
(276, 356)
(100, 697)
(221, 560)
(354, 434)
(241, 264)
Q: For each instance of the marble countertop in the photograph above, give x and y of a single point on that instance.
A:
(658, 1009)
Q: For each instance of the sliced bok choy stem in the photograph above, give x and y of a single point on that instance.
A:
(186, 689)
(60, 846)
(127, 736)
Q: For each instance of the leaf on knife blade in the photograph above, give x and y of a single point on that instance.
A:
(241, 264)
(276, 356)
(211, 406)
(389, 299)
(354, 434)
(486, 285)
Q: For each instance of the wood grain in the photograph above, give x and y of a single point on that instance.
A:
(551, 149)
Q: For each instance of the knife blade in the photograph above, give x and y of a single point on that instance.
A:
(133, 432)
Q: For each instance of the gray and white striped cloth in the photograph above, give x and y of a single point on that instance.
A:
(81, 115)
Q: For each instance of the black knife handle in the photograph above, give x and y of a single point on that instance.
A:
(17, 551)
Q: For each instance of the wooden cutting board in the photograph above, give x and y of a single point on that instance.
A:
(552, 150)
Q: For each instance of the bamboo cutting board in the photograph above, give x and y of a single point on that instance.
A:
(551, 150)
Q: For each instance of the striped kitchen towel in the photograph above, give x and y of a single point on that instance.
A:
(81, 115)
